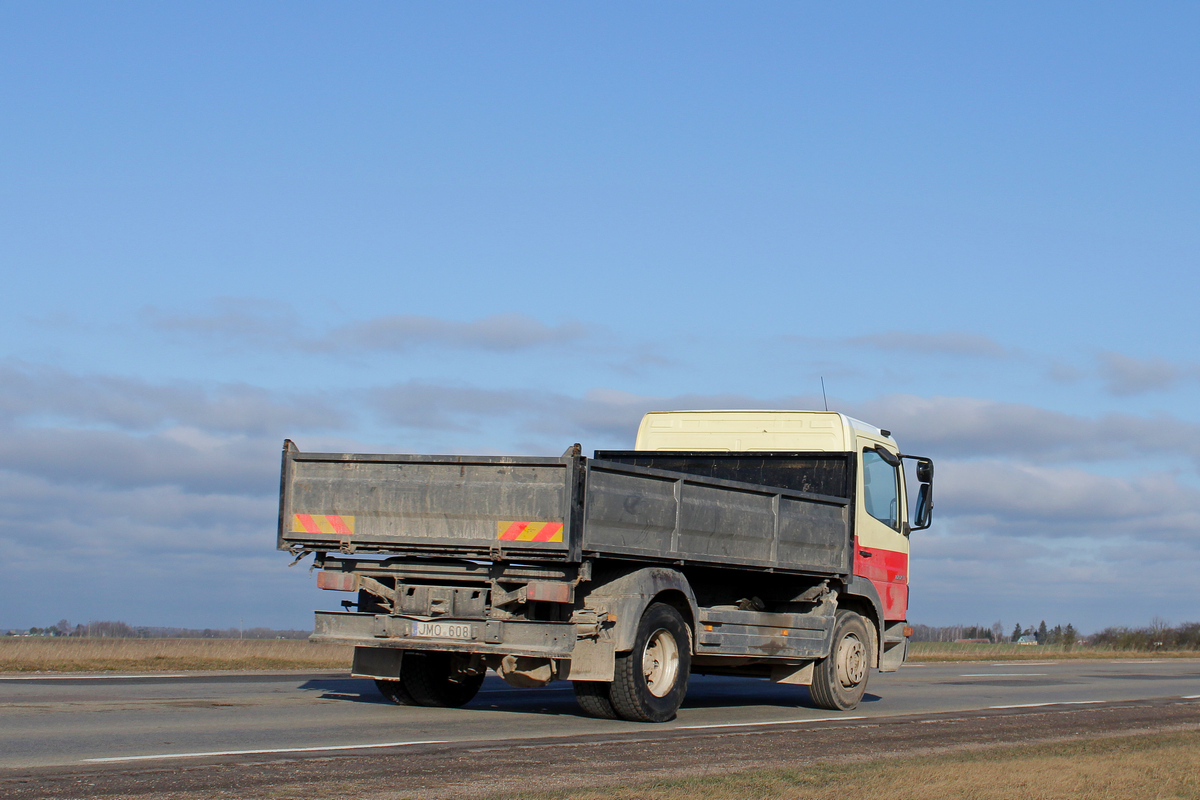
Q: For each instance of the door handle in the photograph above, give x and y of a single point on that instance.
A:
(865, 553)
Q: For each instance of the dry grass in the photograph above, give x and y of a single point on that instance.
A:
(1150, 767)
(949, 651)
(36, 654)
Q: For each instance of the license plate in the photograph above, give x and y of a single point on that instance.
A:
(441, 630)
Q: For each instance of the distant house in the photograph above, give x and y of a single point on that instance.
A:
(1028, 638)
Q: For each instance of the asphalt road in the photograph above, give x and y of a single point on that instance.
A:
(88, 722)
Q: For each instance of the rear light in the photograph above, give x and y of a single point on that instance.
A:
(337, 581)
(908, 631)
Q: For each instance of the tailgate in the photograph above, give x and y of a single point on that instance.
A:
(492, 506)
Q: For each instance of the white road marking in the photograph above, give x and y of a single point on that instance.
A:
(83, 677)
(770, 722)
(1027, 663)
(271, 751)
(382, 745)
(279, 750)
(1005, 675)
(1053, 703)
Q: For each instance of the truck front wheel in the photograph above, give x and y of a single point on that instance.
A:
(651, 680)
(840, 678)
(430, 680)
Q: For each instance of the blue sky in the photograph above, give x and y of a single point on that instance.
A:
(506, 228)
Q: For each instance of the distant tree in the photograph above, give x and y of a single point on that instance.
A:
(1068, 636)
(1016, 634)
(110, 630)
(977, 632)
(63, 627)
(1041, 633)
(1187, 636)
(1161, 633)
(997, 631)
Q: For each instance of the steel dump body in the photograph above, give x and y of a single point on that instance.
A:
(506, 509)
(417, 504)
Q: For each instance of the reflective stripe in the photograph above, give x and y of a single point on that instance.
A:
(522, 531)
(332, 524)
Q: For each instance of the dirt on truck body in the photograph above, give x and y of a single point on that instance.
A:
(760, 543)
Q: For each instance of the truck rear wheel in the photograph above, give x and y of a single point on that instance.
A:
(592, 697)
(651, 679)
(427, 679)
(395, 691)
(840, 678)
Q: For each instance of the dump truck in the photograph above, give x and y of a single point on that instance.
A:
(769, 544)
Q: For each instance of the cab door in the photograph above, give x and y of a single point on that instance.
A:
(881, 546)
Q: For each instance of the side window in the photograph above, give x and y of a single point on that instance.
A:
(881, 491)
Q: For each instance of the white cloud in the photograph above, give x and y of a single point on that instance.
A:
(1064, 501)
(1124, 375)
(85, 521)
(147, 555)
(953, 343)
(958, 427)
(973, 427)
(401, 332)
(236, 465)
(243, 322)
(36, 393)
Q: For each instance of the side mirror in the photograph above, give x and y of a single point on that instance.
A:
(924, 507)
(923, 513)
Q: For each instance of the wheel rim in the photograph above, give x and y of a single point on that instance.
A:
(851, 661)
(660, 662)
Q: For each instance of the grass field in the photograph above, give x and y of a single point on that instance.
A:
(45, 654)
(949, 651)
(53, 654)
(1151, 767)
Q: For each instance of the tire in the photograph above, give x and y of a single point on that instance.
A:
(395, 691)
(651, 680)
(426, 678)
(840, 678)
(593, 698)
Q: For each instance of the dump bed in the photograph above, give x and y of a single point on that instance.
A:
(566, 509)
(462, 505)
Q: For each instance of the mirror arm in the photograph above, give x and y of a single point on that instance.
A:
(889, 458)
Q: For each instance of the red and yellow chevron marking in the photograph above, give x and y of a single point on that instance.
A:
(340, 524)
(510, 531)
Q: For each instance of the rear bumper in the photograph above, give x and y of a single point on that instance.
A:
(492, 636)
